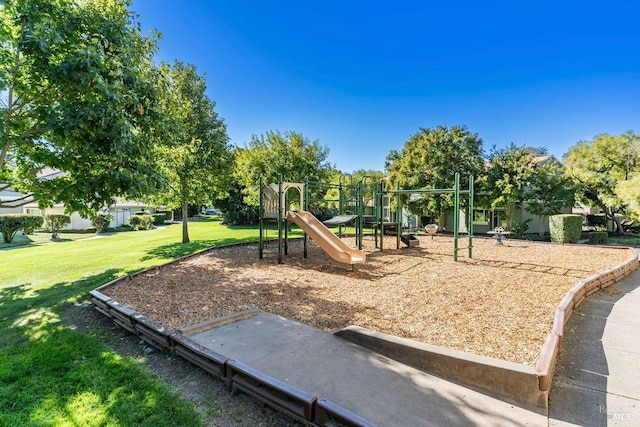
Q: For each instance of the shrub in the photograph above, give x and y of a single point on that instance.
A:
(159, 218)
(141, 222)
(56, 223)
(246, 215)
(11, 224)
(598, 238)
(31, 222)
(598, 221)
(101, 221)
(565, 228)
(519, 229)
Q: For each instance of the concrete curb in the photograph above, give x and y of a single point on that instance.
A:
(515, 382)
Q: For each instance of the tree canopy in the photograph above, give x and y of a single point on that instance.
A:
(78, 94)
(601, 169)
(548, 192)
(430, 159)
(269, 155)
(194, 155)
(508, 175)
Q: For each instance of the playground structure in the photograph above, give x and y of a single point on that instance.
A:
(277, 204)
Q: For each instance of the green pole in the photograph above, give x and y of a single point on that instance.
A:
(380, 220)
(280, 219)
(456, 215)
(261, 214)
(340, 208)
(286, 224)
(305, 239)
(398, 217)
(470, 227)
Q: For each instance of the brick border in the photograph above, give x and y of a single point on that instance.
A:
(551, 347)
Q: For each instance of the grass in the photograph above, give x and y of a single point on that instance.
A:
(51, 375)
(625, 240)
(43, 239)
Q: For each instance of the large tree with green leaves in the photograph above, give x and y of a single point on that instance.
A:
(430, 159)
(194, 156)
(268, 156)
(601, 168)
(508, 176)
(78, 94)
(548, 191)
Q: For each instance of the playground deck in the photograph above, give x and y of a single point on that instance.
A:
(499, 304)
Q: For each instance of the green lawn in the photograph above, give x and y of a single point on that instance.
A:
(43, 239)
(51, 375)
(625, 240)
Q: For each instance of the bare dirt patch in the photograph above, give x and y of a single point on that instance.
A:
(500, 303)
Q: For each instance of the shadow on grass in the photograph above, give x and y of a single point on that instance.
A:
(50, 374)
(176, 250)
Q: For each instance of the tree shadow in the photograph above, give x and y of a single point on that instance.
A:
(176, 250)
(49, 370)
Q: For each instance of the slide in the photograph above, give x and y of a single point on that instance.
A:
(329, 242)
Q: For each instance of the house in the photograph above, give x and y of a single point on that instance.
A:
(486, 219)
(121, 211)
(16, 202)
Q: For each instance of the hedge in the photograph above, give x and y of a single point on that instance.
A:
(598, 238)
(141, 222)
(565, 228)
(10, 224)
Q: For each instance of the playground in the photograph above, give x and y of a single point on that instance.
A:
(500, 303)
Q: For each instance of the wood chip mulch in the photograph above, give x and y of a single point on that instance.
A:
(500, 303)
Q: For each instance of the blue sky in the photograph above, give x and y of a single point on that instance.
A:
(361, 77)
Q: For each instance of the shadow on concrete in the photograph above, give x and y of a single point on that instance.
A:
(580, 384)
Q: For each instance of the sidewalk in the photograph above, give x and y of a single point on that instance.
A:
(381, 390)
(597, 379)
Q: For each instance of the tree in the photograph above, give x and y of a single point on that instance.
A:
(268, 156)
(629, 193)
(600, 168)
(430, 159)
(195, 159)
(77, 95)
(549, 191)
(508, 175)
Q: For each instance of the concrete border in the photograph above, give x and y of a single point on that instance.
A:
(506, 379)
(219, 321)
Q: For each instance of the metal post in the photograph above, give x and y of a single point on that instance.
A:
(305, 239)
(280, 219)
(470, 226)
(381, 219)
(398, 217)
(261, 214)
(456, 215)
(340, 209)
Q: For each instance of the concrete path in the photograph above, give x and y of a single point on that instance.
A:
(597, 380)
(374, 387)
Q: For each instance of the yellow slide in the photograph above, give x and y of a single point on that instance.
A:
(329, 242)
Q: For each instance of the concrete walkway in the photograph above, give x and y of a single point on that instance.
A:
(381, 390)
(597, 380)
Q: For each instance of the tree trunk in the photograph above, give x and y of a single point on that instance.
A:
(509, 213)
(185, 227)
(618, 225)
(543, 227)
(442, 220)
